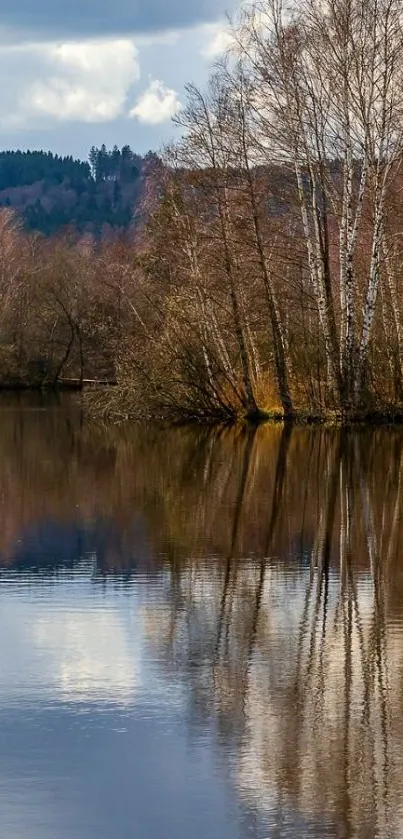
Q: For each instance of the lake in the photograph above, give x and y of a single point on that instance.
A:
(202, 631)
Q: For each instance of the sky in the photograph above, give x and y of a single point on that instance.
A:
(77, 73)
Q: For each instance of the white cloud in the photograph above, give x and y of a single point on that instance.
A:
(221, 37)
(220, 40)
(156, 105)
(90, 81)
(94, 83)
(87, 81)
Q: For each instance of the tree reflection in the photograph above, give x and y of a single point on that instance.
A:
(305, 672)
(278, 556)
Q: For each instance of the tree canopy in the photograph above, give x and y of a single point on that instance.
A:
(51, 192)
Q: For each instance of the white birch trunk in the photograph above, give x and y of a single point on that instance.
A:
(372, 293)
(396, 308)
(316, 274)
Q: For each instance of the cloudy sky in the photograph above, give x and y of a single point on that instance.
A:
(74, 73)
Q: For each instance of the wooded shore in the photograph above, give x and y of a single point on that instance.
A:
(263, 277)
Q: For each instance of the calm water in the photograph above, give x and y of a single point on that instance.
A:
(201, 633)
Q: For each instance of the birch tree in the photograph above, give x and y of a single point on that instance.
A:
(241, 144)
(328, 103)
(205, 148)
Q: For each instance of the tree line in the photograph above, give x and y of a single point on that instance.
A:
(24, 168)
(267, 277)
(51, 192)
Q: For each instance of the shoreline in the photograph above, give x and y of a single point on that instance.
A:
(62, 385)
(388, 415)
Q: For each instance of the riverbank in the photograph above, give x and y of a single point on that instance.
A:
(388, 415)
(49, 387)
(97, 403)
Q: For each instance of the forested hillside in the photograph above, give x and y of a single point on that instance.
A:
(52, 192)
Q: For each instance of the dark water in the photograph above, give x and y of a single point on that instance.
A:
(201, 633)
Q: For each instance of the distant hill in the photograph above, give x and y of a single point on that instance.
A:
(52, 192)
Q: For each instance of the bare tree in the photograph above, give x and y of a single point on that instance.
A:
(205, 148)
(328, 103)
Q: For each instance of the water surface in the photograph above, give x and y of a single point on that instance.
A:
(202, 632)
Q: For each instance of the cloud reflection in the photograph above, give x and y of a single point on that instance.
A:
(60, 652)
